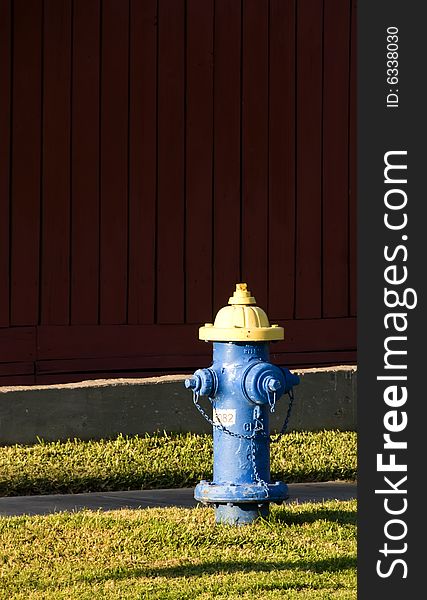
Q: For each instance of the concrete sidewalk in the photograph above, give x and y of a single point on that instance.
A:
(42, 505)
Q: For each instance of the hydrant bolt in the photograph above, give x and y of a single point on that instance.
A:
(191, 383)
(203, 381)
(273, 384)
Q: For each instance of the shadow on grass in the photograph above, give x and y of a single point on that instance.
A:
(226, 567)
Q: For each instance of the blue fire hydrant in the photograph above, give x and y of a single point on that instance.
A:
(243, 388)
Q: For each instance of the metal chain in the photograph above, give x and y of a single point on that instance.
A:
(221, 427)
(258, 479)
(288, 416)
(272, 401)
(257, 429)
(241, 436)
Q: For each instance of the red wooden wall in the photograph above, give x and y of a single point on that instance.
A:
(156, 152)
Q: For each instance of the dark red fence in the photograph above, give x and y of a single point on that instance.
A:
(156, 152)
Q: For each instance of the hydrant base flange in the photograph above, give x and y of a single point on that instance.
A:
(246, 493)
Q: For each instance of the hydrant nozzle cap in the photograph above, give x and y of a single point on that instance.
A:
(241, 321)
(241, 295)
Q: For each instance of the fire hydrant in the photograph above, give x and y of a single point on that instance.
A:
(243, 388)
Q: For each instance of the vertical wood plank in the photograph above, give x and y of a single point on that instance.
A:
(281, 264)
(55, 241)
(5, 113)
(114, 162)
(227, 81)
(335, 157)
(170, 182)
(85, 162)
(308, 293)
(199, 135)
(255, 149)
(26, 154)
(353, 164)
(142, 161)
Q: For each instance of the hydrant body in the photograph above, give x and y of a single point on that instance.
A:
(243, 387)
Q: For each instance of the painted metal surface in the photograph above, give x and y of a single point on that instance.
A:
(243, 388)
(241, 320)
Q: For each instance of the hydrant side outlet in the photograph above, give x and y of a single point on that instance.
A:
(243, 388)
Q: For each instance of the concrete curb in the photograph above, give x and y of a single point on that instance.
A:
(325, 399)
(42, 505)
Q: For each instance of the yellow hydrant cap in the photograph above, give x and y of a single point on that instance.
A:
(241, 321)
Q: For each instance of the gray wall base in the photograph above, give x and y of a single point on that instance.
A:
(325, 399)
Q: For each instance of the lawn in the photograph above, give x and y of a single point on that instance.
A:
(305, 551)
(161, 461)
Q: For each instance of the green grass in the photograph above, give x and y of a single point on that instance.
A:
(161, 461)
(305, 551)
